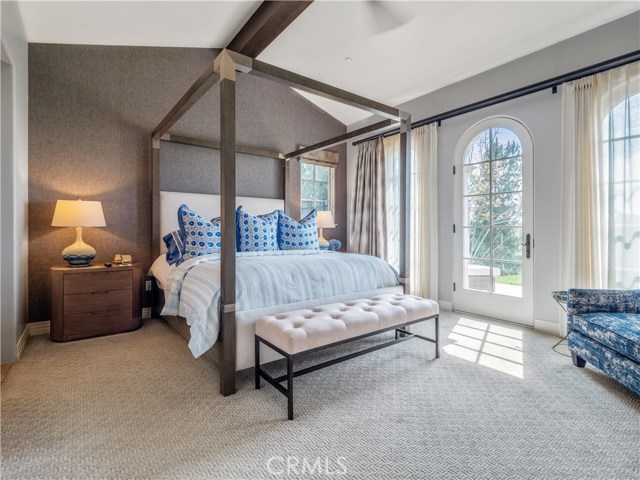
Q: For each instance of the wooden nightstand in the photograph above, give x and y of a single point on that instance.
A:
(95, 300)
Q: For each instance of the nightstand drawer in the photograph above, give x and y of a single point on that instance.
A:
(98, 301)
(104, 323)
(95, 300)
(97, 281)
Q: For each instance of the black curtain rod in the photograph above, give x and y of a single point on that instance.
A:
(520, 92)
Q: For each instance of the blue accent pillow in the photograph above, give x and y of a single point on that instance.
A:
(175, 246)
(256, 233)
(201, 236)
(302, 235)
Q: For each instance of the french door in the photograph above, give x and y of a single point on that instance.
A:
(493, 228)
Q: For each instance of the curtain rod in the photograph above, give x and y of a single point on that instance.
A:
(520, 92)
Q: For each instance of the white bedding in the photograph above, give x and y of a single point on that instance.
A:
(266, 283)
(161, 271)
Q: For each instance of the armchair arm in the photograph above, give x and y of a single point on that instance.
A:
(586, 300)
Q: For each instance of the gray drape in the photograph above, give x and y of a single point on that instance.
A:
(368, 229)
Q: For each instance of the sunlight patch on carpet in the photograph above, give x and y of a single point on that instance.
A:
(492, 346)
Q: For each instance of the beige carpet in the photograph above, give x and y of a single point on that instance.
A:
(498, 404)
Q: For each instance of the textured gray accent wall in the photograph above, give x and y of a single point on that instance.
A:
(258, 177)
(91, 113)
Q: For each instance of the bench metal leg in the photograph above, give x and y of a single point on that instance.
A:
(257, 367)
(438, 336)
(290, 386)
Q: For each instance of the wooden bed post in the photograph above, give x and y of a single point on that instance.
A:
(155, 198)
(405, 201)
(225, 66)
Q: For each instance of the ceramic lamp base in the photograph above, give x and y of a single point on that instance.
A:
(79, 254)
(323, 243)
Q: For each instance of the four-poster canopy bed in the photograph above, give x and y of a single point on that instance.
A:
(224, 70)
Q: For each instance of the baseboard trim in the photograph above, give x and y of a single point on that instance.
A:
(39, 328)
(445, 305)
(22, 342)
(31, 330)
(546, 326)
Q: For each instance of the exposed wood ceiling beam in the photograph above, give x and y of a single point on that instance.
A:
(205, 81)
(269, 20)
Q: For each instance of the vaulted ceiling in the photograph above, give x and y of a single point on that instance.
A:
(388, 51)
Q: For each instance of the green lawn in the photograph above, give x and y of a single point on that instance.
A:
(510, 280)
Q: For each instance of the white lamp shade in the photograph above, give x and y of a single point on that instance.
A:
(78, 213)
(325, 220)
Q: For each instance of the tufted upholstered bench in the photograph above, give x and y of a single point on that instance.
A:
(325, 326)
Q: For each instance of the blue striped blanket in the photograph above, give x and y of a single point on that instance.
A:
(267, 279)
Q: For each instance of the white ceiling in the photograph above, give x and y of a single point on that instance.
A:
(440, 43)
(140, 23)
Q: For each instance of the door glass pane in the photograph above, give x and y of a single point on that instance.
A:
(478, 150)
(477, 275)
(476, 211)
(477, 242)
(506, 244)
(506, 209)
(504, 143)
(507, 175)
(508, 278)
(476, 178)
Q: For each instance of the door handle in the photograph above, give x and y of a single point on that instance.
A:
(527, 245)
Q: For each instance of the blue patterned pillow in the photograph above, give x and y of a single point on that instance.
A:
(201, 236)
(175, 246)
(257, 233)
(302, 235)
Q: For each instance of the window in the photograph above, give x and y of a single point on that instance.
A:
(492, 212)
(316, 188)
(621, 178)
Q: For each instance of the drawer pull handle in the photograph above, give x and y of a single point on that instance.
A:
(100, 293)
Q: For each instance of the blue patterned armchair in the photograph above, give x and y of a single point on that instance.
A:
(604, 329)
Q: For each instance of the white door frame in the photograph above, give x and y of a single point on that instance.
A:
(512, 309)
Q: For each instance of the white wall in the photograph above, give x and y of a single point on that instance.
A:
(13, 183)
(541, 113)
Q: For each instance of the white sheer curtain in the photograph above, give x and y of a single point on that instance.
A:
(424, 208)
(392, 187)
(600, 238)
(424, 212)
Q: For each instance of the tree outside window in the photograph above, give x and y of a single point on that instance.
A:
(316, 188)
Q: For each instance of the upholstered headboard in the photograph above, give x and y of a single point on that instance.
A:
(207, 205)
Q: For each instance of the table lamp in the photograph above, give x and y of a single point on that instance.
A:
(325, 220)
(78, 213)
